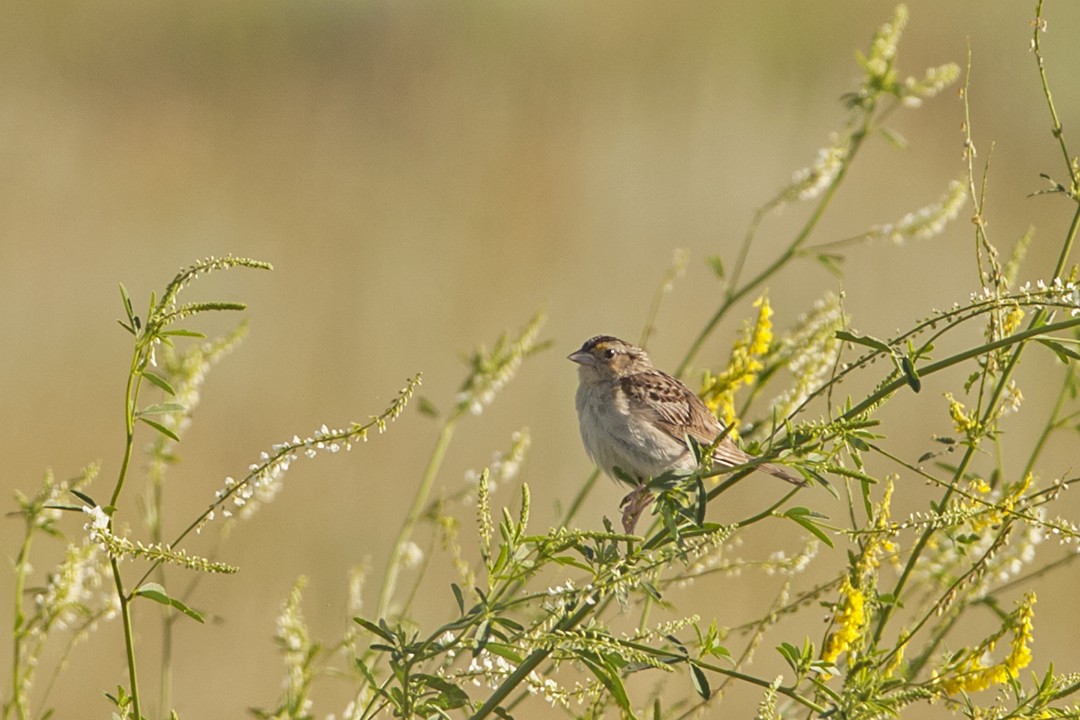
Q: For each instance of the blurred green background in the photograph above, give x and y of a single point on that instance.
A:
(423, 175)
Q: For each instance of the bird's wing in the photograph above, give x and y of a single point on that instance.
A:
(675, 409)
(671, 406)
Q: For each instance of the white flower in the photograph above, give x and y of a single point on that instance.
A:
(98, 519)
(411, 555)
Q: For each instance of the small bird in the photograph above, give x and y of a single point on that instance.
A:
(635, 417)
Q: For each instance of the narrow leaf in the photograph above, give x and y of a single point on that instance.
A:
(717, 265)
(184, 333)
(161, 429)
(1063, 353)
(127, 303)
(803, 517)
(459, 597)
(161, 409)
(159, 381)
(156, 592)
(373, 629)
(612, 682)
(864, 340)
(910, 373)
(84, 497)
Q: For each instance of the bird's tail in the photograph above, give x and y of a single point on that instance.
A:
(781, 473)
(729, 454)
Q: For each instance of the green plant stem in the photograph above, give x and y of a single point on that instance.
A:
(1056, 130)
(579, 498)
(415, 512)
(1019, 339)
(1051, 423)
(18, 632)
(1035, 327)
(529, 664)
(734, 295)
(131, 395)
(129, 637)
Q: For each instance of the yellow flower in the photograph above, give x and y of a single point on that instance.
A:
(1012, 320)
(972, 675)
(762, 336)
(964, 423)
(718, 391)
(850, 622)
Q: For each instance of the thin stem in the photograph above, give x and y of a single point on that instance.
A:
(1019, 339)
(1051, 422)
(415, 512)
(1056, 130)
(131, 396)
(129, 637)
(579, 499)
(529, 664)
(734, 295)
(22, 564)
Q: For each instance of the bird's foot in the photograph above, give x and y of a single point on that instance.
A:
(633, 505)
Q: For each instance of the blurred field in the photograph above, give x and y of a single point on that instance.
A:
(423, 175)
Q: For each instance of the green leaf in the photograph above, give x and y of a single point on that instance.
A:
(451, 696)
(459, 597)
(701, 683)
(159, 381)
(804, 516)
(650, 590)
(84, 497)
(611, 681)
(155, 592)
(1064, 354)
(832, 263)
(702, 503)
(161, 409)
(184, 333)
(63, 506)
(374, 629)
(894, 138)
(864, 340)
(508, 623)
(161, 429)
(791, 654)
(504, 650)
(717, 265)
(912, 375)
(428, 408)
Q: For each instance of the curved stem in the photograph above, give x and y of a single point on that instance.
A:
(733, 295)
(417, 509)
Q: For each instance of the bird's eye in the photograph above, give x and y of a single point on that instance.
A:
(608, 354)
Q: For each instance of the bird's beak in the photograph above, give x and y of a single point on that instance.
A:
(582, 358)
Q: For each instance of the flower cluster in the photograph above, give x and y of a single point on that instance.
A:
(504, 466)
(718, 392)
(265, 477)
(490, 669)
(809, 183)
(809, 352)
(932, 82)
(852, 614)
(491, 371)
(973, 671)
(293, 637)
(926, 222)
(879, 62)
(100, 532)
